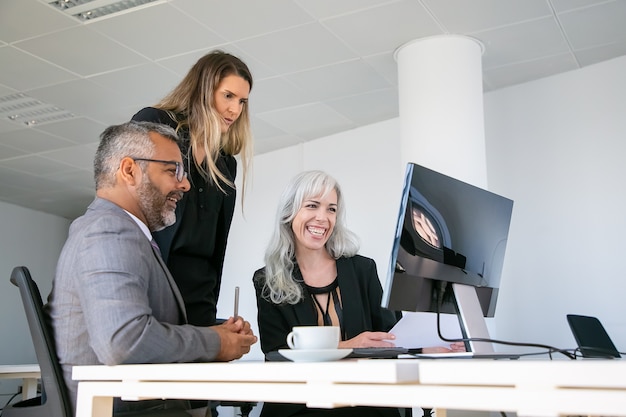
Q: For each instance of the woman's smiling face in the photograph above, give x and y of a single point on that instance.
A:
(315, 221)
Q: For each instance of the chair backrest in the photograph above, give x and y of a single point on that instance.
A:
(54, 400)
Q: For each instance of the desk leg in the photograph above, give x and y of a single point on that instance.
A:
(29, 388)
(91, 403)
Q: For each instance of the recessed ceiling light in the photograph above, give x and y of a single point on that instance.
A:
(23, 109)
(87, 10)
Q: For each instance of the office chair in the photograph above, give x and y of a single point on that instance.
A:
(54, 399)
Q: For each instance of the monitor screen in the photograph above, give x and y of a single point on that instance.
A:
(448, 231)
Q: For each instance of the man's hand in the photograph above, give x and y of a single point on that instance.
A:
(236, 337)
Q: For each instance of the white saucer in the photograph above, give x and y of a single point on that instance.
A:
(314, 355)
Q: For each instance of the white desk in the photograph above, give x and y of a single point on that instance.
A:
(529, 387)
(29, 374)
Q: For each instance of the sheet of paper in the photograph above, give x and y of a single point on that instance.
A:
(419, 330)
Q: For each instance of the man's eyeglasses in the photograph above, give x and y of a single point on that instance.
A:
(180, 170)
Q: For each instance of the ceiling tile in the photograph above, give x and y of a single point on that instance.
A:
(522, 42)
(343, 79)
(395, 24)
(529, 70)
(565, 5)
(41, 19)
(36, 165)
(23, 71)
(276, 93)
(140, 86)
(7, 152)
(368, 108)
(275, 143)
(148, 31)
(308, 120)
(262, 130)
(81, 51)
(80, 157)
(78, 97)
(594, 26)
(462, 16)
(386, 66)
(321, 9)
(601, 53)
(228, 19)
(297, 49)
(33, 141)
(79, 130)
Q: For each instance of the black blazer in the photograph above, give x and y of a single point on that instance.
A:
(361, 296)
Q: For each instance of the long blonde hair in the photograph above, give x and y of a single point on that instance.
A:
(191, 104)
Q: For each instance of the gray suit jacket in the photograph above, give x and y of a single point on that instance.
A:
(113, 301)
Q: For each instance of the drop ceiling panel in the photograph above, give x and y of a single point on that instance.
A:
(23, 71)
(79, 130)
(368, 108)
(37, 165)
(522, 42)
(601, 53)
(383, 28)
(315, 47)
(42, 19)
(238, 19)
(595, 26)
(140, 86)
(7, 152)
(308, 120)
(81, 97)
(278, 93)
(529, 70)
(462, 16)
(338, 80)
(321, 9)
(158, 31)
(81, 51)
(33, 141)
(80, 157)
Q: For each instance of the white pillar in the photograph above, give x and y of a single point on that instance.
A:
(441, 106)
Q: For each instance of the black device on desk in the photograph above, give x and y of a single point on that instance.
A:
(591, 337)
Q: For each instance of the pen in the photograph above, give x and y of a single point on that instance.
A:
(236, 313)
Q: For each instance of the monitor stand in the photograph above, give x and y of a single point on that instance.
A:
(471, 317)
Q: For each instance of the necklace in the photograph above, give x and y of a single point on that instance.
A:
(331, 292)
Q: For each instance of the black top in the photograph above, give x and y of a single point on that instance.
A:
(194, 246)
(361, 296)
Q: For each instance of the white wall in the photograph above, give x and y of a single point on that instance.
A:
(32, 239)
(557, 147)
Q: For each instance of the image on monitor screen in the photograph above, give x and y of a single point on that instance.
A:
(448, 232)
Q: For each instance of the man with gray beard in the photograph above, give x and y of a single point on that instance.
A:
(113, 300)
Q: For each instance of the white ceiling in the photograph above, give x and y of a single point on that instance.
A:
(320, 67)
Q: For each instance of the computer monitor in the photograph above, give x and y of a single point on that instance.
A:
(448, 250)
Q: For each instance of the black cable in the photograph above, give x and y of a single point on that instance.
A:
(550, 349)
(8, 402)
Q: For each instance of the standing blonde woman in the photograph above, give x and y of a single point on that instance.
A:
(209, 110)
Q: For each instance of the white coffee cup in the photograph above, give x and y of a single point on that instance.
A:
(314, 337)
